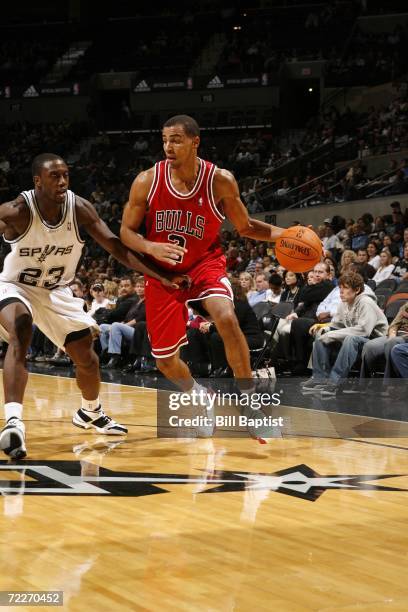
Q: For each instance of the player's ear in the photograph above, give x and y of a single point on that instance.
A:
(37, 181)
(196, 142)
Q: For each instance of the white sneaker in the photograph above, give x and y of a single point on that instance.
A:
(99, 421)
(207, 425)
(12, 439)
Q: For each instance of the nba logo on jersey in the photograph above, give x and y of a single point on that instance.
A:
(69, 226)
(200, 201)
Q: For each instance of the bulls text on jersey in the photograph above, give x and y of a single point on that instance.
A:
(180, 221)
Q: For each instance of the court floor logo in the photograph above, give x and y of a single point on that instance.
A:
(85, 478)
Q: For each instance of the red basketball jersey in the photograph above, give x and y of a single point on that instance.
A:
(192, 219)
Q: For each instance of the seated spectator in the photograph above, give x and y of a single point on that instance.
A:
(367, 270)
(120, 331)
(275, 285)
(99, 298)
(331, 242)
(253, 260)
(347, 259)
(391, 246)
(324, 314)
(262, 291)
(292, 283)
(306, 305)
(400, 271)
(126, 300)
(247, 283)
(205, 343)
(386, 267)
(399, 359)
(382, 346)
(358, 319)
(373, 256)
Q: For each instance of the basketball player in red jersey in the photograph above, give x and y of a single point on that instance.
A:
(183, 201)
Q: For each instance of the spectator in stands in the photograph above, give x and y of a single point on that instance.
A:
(373, 256)
(400, 271)
(253, 260)
(367, 270)
(247, 282)
(386, 267)
(357, 320)
(399, 360)
(206, 345)
(331, 241)
(383, 345)
(262, 291)
(275, 285)
(390, 246)
(328, 307)
(304, 315)
(347, 259)
(127, 298)
(120, 331)
(99, 299)
(291, 286)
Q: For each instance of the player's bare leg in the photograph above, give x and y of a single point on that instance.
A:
(177, 370)
(222, 313)
(17, 320)
(90, 415)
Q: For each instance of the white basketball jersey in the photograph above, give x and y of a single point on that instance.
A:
(45, 255)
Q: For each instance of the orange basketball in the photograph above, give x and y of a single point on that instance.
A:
(298, 249)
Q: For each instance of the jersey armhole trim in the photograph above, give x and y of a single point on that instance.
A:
(210, 193)
(74, 219)
(29, 223)
(155, 183)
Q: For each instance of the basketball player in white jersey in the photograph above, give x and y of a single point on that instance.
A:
(42, 228)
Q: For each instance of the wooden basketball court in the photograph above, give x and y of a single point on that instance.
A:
(301, 523)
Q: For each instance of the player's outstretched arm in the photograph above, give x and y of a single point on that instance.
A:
(88, 218)
(227, 193)
(132, 219)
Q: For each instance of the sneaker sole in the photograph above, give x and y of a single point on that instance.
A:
(12, 444)
(99, 430)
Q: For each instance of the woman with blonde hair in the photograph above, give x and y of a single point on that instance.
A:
(347, 259)
(247, 283)
(386, 267)
(111, 291)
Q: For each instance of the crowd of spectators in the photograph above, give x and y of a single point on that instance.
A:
(379, 131)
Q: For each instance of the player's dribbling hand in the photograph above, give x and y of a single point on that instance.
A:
(177, 281)
(168, 252)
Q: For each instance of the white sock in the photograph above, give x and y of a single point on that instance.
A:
(13, 410)
(196, 387)
(90, 405)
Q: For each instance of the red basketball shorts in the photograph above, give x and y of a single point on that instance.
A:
(166, 309)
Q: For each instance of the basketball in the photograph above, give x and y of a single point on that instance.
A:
(298, 249)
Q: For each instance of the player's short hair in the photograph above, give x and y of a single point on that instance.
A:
(353, 280)
(40, 160)
(189, 124)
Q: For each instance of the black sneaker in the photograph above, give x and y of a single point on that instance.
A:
(99, 421)
(12, 439)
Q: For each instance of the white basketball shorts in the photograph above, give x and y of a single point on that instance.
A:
(56, 312)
